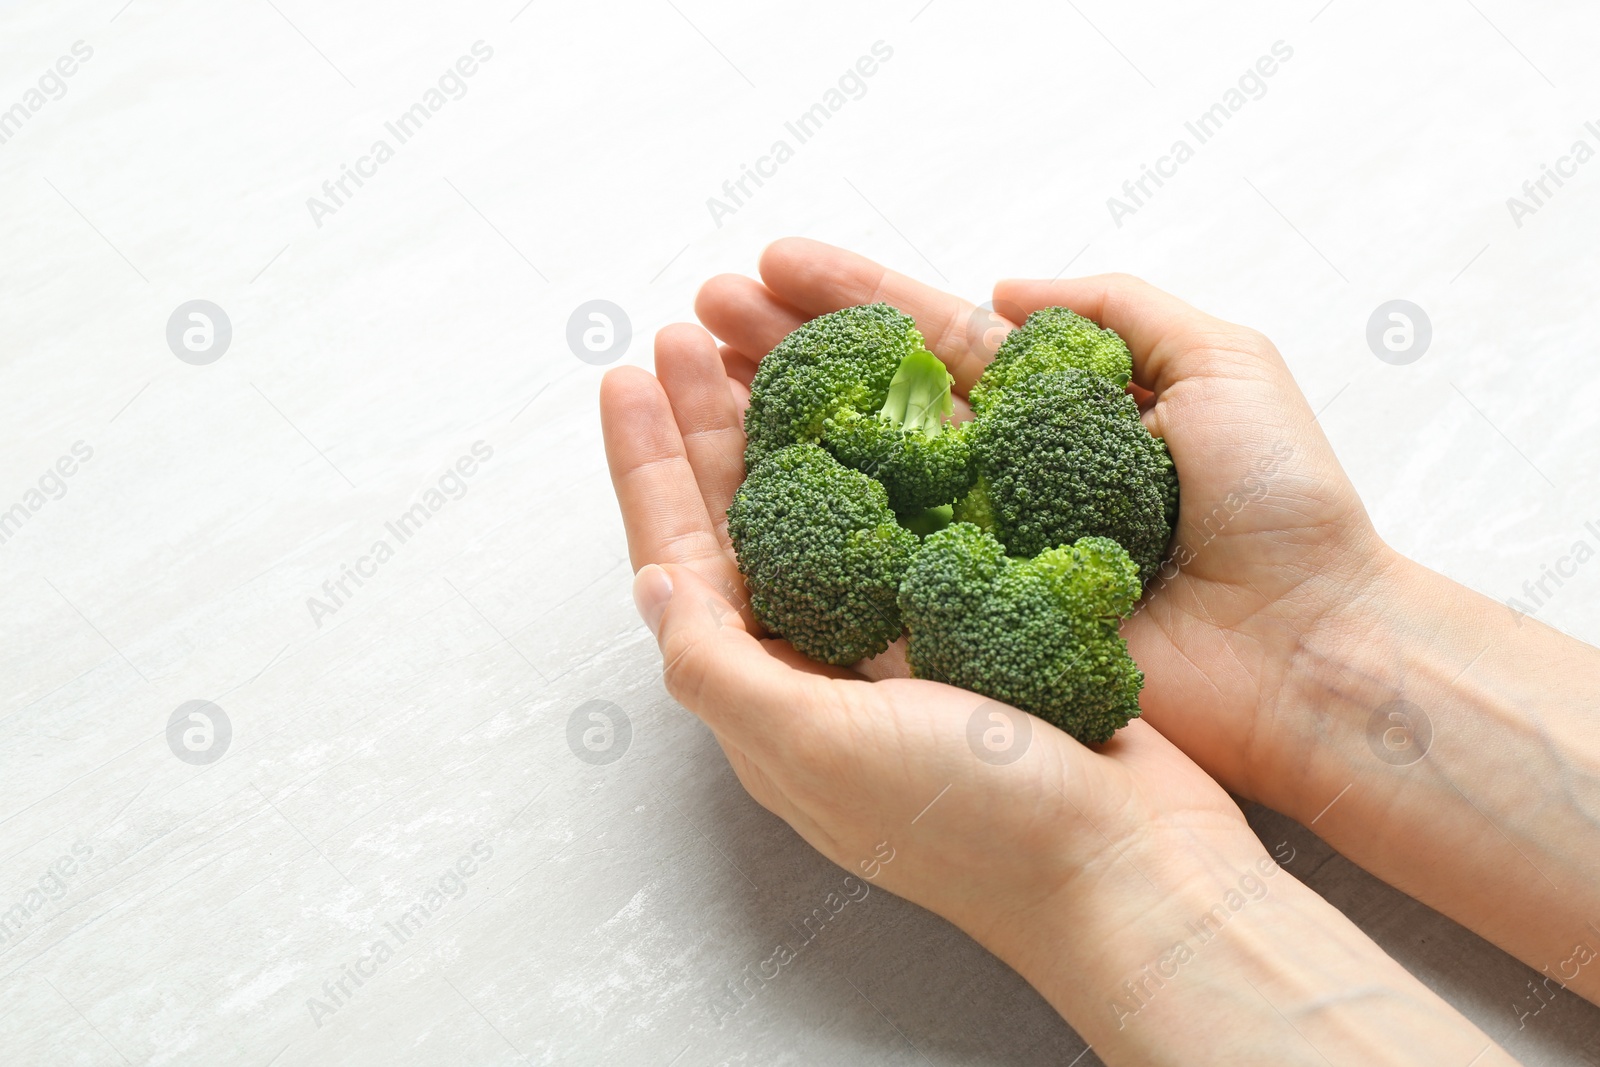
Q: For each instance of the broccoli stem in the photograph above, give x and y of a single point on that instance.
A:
(919, 395)
(929, 520)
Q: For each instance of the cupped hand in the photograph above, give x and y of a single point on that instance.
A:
(1273, 556)
(986, 817)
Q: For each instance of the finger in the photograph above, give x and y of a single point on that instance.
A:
(691, 372)
(714, 667)
(745, 313)
(1170, 339)
(738, 366)
(784, 652)
(818, 278)
(741, 398)
(893, 662)
(731, 305)
(662, 510)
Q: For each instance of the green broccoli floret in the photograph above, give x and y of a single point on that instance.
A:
(909, 444)
(861, 383)
(1040, 634)
(1053, 339)
(1062, 455)
(821, 553)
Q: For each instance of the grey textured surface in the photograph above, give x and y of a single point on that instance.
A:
(372, 749)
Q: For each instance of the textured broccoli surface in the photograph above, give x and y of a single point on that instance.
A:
(860, 382)
(1040, 634)
(821, 553)
(1062, 455)
(1010, 546)
(1053, 339)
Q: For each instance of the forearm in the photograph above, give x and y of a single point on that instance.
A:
(1190, 955)
(1483, 799)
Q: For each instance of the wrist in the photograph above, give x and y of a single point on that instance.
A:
(1199, 948)
(1446, 744)
(1344, 667)
(1102, 950)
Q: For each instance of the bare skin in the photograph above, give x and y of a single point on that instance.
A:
(1284, 626)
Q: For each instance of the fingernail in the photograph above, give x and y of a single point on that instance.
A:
(652, 589)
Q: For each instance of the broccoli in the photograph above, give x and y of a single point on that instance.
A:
(1009, 546)
(1053, 339)
(923, 523)
(1040, 634)
(1061, 455)
(821, 553)
(861, 383)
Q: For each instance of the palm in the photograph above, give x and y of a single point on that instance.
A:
(850, 763)
(1269, 528)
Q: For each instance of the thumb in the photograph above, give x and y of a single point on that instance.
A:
(714, 667)
(1170, 340)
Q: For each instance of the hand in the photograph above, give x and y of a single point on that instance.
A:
(1081, 868)
(1288, 627)
(859, 766)
(1273, 551)
(1272, 545)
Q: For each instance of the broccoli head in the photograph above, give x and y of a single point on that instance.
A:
(1061, 455)
(861, 383)
(1053, 339)
(1040, 634)
(909, 444)
(821, 553)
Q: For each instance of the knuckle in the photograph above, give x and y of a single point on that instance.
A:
(684, 668)
(712, 291)
(1124, 290)
(1121, 294)
(1225, 344)
(1253, 340)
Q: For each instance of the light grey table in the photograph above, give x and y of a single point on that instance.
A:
(388, 850)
